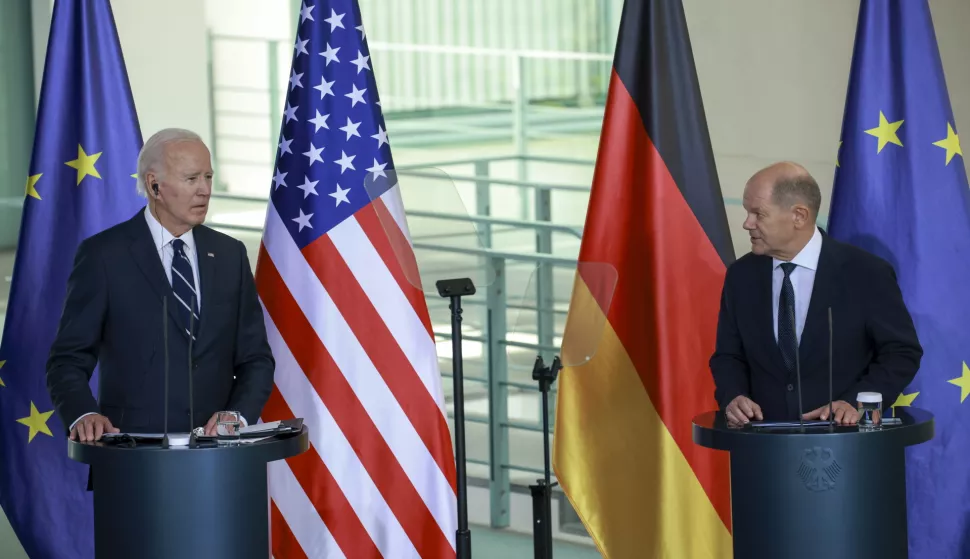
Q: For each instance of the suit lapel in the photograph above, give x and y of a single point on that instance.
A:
(814, 339)
(207, 277)
(765, 315)
(145, 255)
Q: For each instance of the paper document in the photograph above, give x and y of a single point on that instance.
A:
(260, 427)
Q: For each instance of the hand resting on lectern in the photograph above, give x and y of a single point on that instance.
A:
(843, 411)
(741, 410)
(90, 428)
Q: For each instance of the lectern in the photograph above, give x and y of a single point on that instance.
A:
(208, 502)
(817, 492)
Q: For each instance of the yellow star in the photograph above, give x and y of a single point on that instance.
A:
(905, 400)
(37, 422)
(963, 382)
(886, 132)
(84, 164)
(951, 144)
(2, 363)
(31, 184)
(837, 155)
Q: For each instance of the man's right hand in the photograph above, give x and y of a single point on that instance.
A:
(90, 428)
(742, 409)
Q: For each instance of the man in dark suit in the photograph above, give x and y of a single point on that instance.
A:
(774, 311)
(113, 312)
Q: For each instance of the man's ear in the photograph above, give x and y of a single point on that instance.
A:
(803, 216)
(150, 180)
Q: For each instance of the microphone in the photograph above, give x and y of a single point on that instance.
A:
(192, 440)
(831, 415)
(178, 439)
(798, 373)
(165, 441)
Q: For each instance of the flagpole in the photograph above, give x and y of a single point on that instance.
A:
(455, 289)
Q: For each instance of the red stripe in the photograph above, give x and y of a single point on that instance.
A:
(351, 417)
(284, 545)
(396, 252)
(669, 279)
(322, 490)
(384, 351)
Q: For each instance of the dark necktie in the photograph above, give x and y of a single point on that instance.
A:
(787, 339)
(183, 284)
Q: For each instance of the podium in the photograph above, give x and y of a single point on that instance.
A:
(207, 502)
(818, 492)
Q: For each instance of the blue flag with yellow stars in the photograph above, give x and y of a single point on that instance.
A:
(901, 192)
(80, 182)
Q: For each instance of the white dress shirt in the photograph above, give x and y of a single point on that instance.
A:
(163, 245)
(802, 279)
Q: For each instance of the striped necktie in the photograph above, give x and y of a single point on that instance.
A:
(183, 284)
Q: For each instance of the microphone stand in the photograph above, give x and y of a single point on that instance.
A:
(165, 440)
(192, 438)
(542, 490)
(455, 289)
(831, 414)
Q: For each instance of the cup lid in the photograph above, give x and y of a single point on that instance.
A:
(869, 397)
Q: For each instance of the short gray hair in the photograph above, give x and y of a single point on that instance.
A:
(152, 153)
(797, 188)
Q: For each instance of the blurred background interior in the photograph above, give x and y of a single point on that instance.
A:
(497, 105)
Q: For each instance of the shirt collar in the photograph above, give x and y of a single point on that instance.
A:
(808, 256)
(161, 236)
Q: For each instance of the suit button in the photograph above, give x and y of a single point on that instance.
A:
(790, 387)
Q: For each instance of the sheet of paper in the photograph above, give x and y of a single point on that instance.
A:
(260, 427)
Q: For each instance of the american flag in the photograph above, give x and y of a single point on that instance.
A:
(347, 323)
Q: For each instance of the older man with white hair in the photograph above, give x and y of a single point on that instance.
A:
(113, 311)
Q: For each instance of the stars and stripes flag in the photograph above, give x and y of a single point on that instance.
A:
(350, 333)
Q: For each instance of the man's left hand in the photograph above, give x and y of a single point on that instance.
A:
(844, 413)
(211, 428)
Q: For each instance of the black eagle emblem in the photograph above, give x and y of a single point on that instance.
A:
(818, 469)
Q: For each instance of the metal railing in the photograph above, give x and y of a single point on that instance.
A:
(494, 307)
(583, 88)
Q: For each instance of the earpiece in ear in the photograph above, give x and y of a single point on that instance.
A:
(155, 188)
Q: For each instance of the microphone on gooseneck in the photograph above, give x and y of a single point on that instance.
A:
(798, 373)
(192, 440)
(831, 416)
(165, 441)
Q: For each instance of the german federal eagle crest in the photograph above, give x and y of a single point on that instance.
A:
(818, 469)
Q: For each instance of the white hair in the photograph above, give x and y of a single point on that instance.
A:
(151, 156)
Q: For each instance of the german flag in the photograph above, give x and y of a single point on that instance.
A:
(623, 451)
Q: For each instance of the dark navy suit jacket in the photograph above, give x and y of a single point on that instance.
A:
(874, 349)
(113, 318)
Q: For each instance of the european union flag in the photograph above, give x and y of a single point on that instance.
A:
(901, 192)
(80, 182)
